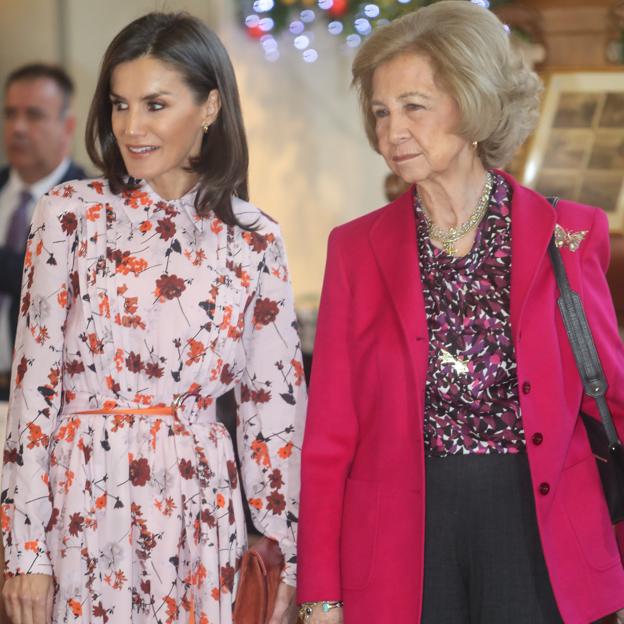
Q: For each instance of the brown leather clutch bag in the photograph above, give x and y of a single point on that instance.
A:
(260, 571)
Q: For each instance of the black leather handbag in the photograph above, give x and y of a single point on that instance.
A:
(603, 438)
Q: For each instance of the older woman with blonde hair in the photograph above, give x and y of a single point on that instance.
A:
(446, 474)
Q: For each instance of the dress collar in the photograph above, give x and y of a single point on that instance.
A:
(140, 202)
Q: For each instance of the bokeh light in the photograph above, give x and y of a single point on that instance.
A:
(350, 20)
(262, 6)
(266, 24)
(251, 21)
(335, 27)
(310, 55)
(269, 43)
(301, 42)
(371, 11)
(296, 27)
(363, 26)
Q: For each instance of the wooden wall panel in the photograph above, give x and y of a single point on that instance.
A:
(576, 34)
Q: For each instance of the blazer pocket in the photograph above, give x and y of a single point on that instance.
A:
(358, 539)
(584, 502)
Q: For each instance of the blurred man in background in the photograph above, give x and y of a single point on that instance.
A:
(38, 130)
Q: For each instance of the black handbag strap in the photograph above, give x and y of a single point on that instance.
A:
(581, 340)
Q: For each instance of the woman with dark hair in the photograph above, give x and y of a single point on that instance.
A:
(147, 294)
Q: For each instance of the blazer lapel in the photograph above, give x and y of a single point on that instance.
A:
(395, 247)
(394, 244)
(532, 225)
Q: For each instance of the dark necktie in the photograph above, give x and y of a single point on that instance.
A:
(18, 225)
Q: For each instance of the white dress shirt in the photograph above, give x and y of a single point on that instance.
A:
(9, 198)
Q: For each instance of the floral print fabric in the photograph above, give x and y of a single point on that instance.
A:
(471, 393)
(129, 301)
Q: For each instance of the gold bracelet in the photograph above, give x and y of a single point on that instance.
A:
(306, 608)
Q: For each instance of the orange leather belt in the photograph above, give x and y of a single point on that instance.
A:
(156, 410)
(162, 410)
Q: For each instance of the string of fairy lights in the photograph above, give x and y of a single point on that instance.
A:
(295, 23)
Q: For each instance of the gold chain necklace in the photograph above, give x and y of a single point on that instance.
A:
(449, 237)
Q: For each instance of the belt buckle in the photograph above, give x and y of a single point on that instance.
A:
(178, 402)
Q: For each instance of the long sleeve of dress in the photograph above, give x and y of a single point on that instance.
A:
(271, 400)
(36, 389)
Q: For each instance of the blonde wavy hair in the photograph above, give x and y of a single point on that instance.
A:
(497, 94)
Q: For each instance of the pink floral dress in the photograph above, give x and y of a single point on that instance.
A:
(130, 301)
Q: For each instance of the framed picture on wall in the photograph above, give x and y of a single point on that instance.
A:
(577, 151)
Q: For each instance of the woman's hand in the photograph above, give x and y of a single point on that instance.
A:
(285, 606)
(333, 616)
(28, 598)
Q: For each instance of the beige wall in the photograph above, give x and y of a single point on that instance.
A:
(29, 31)
(311, 167)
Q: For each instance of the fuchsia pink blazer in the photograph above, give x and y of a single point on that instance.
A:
(362, 511)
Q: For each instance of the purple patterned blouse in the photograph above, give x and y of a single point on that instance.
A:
(471, 394)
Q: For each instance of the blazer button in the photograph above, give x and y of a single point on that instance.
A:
(537, 438)
(544, 488)
(526, 387)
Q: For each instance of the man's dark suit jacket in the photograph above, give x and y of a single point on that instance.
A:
(11, 263)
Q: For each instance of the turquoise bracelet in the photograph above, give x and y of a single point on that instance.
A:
(306, 608)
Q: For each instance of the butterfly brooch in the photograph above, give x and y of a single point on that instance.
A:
(568, 238)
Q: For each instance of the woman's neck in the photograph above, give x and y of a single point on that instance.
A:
(170, 187)
(450, 199)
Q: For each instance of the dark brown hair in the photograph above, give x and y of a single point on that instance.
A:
(36, 71)
(187, 44)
